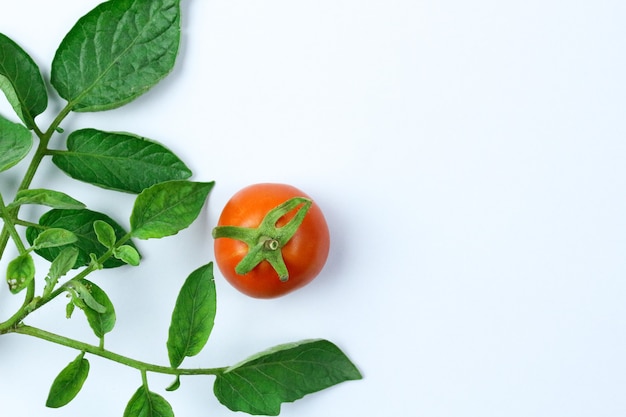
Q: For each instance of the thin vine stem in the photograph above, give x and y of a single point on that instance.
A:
(112, 356)
(9, 226)
(26, 223)
(40, 153)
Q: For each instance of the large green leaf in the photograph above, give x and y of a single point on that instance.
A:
(117, 52)
(145, 403)
(285, 373)
(80, 222)
(68, 383)
(193, 316)
(118, 161)
(168, 207)
(15, 143)
(21, 81)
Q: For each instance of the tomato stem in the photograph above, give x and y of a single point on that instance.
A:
(272, 244)
(266, 241)
(143, 367)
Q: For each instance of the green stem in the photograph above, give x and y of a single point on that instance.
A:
(25, 223)
(144, 379)
(9, 226)
(112, 356)
(42, 149)
(31, 303)
(58, 120)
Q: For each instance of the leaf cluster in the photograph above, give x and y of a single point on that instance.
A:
(112, 55)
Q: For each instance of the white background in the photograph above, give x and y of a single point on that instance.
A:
(469, 157)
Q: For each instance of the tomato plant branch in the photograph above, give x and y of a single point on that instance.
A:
(89, 77)
(32, 303)
(112, 356)
(42, 150)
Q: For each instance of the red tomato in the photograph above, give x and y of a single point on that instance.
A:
(242, 232)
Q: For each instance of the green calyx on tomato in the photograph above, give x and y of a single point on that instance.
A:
(266, 241)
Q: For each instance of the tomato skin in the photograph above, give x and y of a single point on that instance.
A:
(304, 254)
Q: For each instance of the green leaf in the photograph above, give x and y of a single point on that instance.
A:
(117, 52)
(94, 261)
(50, 198)
(284, 373)
(147, 404)
(63, 263)
(97, 307)
(105, 233)
(193, 316)
(68, 383)
(80, 222)
(168, 207)
(15, 143)
(20, 272)
(60, 266)
(128, 255)
(174, 385)
(54, 237)
(21, 82)
(85, 299)
(118, 161)
(69, 309)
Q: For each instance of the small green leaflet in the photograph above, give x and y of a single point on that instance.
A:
(193, 316)
(97, 307)
(50, 198)
(79, 222)
(127, 254)
(147, 404)
(54, 237)
(63, 263)
(69, 309)
(21, 82)
(285, 373)
(15, 143)
(82, 291)
(117, 52)
(167, 208)
(68, 383)
(105, 233)
(118, 161)
(174, 385)
(20, 272)
(60, 266)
